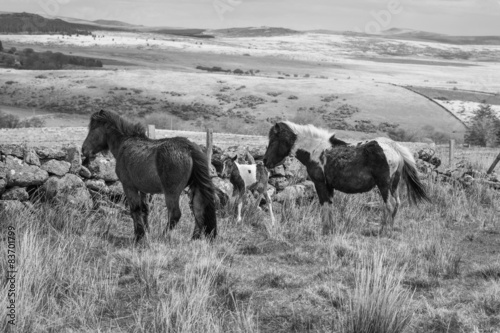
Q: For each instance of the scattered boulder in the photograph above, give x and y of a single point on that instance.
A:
(103, 167)
(69, 190)
(16, 193)
(22, 174)
(30, 157)
(55, 167)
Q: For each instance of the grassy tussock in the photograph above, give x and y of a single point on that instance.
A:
(378, 303)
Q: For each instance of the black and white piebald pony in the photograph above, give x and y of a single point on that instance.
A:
(334, 164)
(252, 177)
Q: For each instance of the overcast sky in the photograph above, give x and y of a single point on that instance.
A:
(457, 17)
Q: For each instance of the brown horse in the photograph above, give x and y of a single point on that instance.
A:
(154, 166)
(333, 164)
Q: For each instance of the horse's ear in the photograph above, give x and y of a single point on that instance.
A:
(276, 128)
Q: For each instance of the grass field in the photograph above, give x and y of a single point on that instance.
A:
(439, 271)
(148, 74)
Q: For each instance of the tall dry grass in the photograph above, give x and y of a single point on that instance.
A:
(79, 271)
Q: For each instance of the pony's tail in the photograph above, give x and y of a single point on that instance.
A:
(415, 188)
(203, 199)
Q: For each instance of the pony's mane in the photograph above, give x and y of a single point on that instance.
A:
(309, 131)
(118, 124)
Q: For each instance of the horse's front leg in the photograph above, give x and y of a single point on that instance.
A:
(325, 196)
(135, 203)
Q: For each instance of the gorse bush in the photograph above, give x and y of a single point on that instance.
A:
(13, 121)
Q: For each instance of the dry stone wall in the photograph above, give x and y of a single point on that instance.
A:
(56, 174)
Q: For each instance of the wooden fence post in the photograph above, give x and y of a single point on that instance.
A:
(452, 151)
(151, 132)
(209, 145)
(493, 165)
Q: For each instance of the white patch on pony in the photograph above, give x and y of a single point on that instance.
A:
(396, 155)
(311, 139)
(248, 173)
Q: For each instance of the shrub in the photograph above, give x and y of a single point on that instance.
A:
(13, 121)
(485, 128)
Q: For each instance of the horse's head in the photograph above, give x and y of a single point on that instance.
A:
(281, 141)
(96, 140)
(229, 166)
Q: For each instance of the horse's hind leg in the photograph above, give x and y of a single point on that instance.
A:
(395, 195)
(135, 203)
(387, 214)
(174, 211)
(144, 209)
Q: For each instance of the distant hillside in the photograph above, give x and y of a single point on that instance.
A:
(253, 32)
(13, 23)
(409, 34)
(36, 24)
(114, 23)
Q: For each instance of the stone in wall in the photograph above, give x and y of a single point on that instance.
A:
(98, 185)
(13, 150)
(74, 157)
(279, 171)
(69, 190)
(22, 174)
(295, 192)
(84, 172)
(16, 193)
(103, 167)
(279, 183)
(13, 207)
(3, 185)
(51, 153)
(55, 167)
(30, 157)
(116, 189)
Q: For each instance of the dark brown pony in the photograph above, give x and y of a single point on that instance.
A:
(334, 164)
(154, 166)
